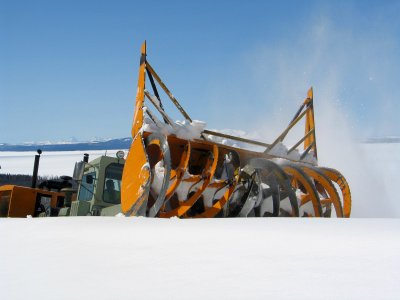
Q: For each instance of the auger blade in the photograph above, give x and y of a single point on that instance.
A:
(158, 141)
(204, 180)
(286, 190)
(179, 172)
(323, 181)
(271, 198)
(337, 177)
(254, 196)
(308, 190)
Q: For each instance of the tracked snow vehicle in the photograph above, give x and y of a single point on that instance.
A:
(94, 190)
(181, 169)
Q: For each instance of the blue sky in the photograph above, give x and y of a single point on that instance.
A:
(69, 68)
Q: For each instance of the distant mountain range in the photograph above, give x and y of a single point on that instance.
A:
(114, 144)
(122, 143)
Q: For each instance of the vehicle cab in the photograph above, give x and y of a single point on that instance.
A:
(99, 191)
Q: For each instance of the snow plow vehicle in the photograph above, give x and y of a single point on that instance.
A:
(181, 169)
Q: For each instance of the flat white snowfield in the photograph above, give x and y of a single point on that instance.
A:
(143, 258)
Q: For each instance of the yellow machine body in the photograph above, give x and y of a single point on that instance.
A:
(20, 202)
(170, 176)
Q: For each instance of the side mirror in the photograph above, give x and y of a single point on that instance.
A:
(89, 179)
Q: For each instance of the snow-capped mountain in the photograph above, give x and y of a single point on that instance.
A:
(70, 145)
(98, 143)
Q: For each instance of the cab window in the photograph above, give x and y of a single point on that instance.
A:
(112, 183)
(87, 186)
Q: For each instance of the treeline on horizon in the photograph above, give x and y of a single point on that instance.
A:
(22, 180)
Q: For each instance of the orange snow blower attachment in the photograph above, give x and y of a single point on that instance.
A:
(180, 169)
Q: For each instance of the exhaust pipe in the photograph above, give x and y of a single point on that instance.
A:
(36, 168)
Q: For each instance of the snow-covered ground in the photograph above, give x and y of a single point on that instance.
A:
(143, 258)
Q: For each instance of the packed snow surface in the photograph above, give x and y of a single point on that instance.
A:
(254, 258)
(144, 258)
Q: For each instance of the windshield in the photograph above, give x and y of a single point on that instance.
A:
(112, 183)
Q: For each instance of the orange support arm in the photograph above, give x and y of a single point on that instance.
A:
(136, 176)
(138, 116)
(310, 140)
